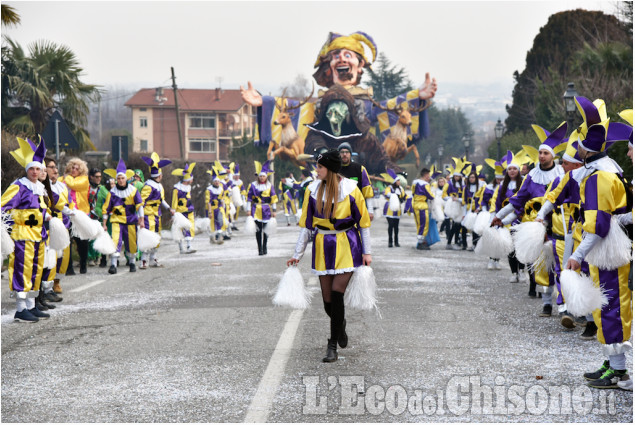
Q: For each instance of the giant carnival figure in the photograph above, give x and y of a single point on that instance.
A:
(344, 112)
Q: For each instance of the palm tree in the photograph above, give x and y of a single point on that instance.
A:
(9, 16)
(37, 84)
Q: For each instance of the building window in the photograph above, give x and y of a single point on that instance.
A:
(202, 121)
(143, 122)
(143, 109)
(143, 146)
(203, 145)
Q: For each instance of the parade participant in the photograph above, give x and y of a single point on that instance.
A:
(153, 197)
(468, 202)
(48, 273)
(215, 202)
(454, 189)
(138, 179)
(286, 187)
(182, 203)
(262, 200)
(24, 204)
(566, 229)
(61, 208)
(340, 64)
(488, 199)
(442, 188)
(604, 193)
(508, 188)
(234, 169)
(422, 192)
(307, 173)
(393, 215)
(529, 199)
(357, 172)
(95, 192)
(76, 179)
(225, 183)
(335, 208)
(101, 199)
(123, 207)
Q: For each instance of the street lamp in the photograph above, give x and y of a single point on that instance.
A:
(440, 151)
(467, 138)
(569, 103)
(499, 130)
(427, 159)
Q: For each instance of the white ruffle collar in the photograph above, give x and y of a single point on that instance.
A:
(154, 185)
(123, 193)
(183, 187)
(37, 187)
(602, 164)
(347, 186)
(545, 177)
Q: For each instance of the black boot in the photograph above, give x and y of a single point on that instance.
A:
(532, 285)
(264, 243)
(331, 351)
(397, 235)
(38, 303)
(103, 261)
(343, 339)
(259, 240)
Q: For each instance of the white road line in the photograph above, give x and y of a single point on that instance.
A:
(261, 404)
(88, 285)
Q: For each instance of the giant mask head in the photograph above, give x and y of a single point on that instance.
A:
(346, 66)
(342, 59)
(337, 112)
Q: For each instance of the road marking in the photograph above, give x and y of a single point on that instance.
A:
(88, 285)
(261, 404)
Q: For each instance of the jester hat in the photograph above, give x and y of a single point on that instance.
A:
(234, 168)
(263, 169)
(551, 141)
(511, 160)
(29, 154)
(121, 170)
(185, 173)
(496, 166)
(155, 163)
(627, 115)
(354, 42)
(571, 151)
(434, 173)
(390, 176)
(460, 165)
(597, 134)
(214, 172)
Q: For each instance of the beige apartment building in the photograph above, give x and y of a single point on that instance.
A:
(209, 120)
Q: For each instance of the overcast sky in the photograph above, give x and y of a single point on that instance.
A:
(269, 43)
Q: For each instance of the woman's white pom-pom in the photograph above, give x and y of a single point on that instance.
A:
(612, 251)
(581, 294)
(495, 243)
(201, 224)
(50, 258)
(179, 223)
(232, 209)
(361, 291)
(59, 237)
(271, 226)
(436, 206)
(250, 225)
(7, 243)
(147, 239)
(482, 221)
(291, 291)
(546, 260)
(237, 198)
(529, 238)
(83, 227)
(469, 220)
(453, 209)
(393, 203)
(104, 244)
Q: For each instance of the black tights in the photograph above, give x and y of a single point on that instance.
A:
(393, 227)
(261, 237)
(456, 229)
(514, 264)
(333, 288)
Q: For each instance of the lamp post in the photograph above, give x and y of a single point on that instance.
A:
(569, 103)
(440, 151)
(467, 138)
(499, 130)
(427, 160)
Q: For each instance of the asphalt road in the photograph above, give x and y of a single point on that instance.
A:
(200, 341)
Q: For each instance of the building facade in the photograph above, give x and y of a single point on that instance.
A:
(209, 119)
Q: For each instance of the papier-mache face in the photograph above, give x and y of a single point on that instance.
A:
(346, 67)
(336, 113)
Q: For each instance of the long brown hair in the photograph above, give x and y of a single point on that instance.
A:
(331, 185)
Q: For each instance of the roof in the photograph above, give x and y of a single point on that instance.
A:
(189, 99)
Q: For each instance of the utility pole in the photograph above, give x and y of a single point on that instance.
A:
(178, 119)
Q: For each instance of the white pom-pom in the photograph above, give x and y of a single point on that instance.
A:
(545, 260)
(581, 294)
(202, 224)
(166, 234)
(436, 209)
(50, 258)
(7, 243)
(529, 238)
(453, 208)
(237, 198)
(495, 243)
(147, 239)
(612, 251)
(58, 234)
(104, 244)
(469, 220)
(271, 226)
(361, 291)
(291, 291)
(250, 225)
(393, 203)
(232, 209)
(179, 223)
(83, 226)
(482, 221)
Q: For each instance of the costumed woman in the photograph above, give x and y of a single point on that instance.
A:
(124, 208)
(262, 199)
(335, 208)
(392, 207)
(23, 202)
(215, 204)
(76, 179)
(289, 194)
(153, 197)
(182, 203)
